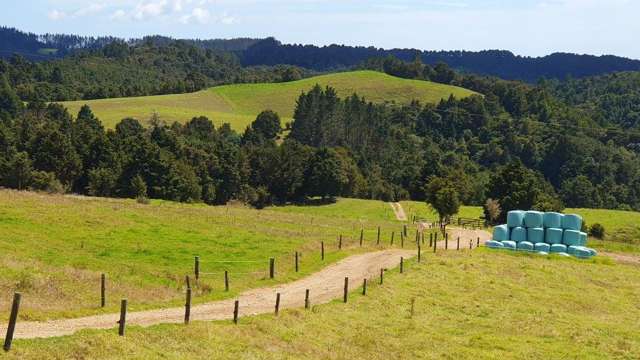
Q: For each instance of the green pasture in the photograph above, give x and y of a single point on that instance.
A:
(239, 104)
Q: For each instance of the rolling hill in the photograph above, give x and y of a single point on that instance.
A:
(240, 103)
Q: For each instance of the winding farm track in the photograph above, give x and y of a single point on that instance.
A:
(398, 211)
(324, 286)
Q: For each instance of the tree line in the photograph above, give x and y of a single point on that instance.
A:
(517, 144)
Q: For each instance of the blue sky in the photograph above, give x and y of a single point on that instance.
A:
(527, 27)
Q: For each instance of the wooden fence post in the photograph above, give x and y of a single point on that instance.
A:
(378, 240)
(458, 246)
(187, 281)
(402, 240)
(361, 236)
(340, 242)
(103, 290)
(478, 242)
(272, 268)
(236, 308)
(346, 290)
(196, 267)
(381, 276)
(13, 318)
(392, 235)
(364, 287)
(470, 244)
(446, 241)
(187, 307)
(123, 317)
(401, 264)
(322, 250)
(404, 229)
(430, 239)
(226, 280)
(306, 299)
(277, 303)
(297, 266)
(419, 252)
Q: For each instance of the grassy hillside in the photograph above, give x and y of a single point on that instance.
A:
(239, 104)
(468, 305)
(54, 248)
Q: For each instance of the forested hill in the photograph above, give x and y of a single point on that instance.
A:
(503, 64)
(269, 51)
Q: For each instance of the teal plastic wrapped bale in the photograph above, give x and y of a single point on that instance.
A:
(553, 220)
(583, 239)
(515, 218)
(542, 247)
(525, 246)
(592, 251)
(501, 233)
(535, 235)
(579, 252)
(558, 248)
(553, 236)
(563, 254)
(571, 238)
(533, 219)
(494, 244)
(543, 253)
(508, 244)
(572, 222)
(518, 234)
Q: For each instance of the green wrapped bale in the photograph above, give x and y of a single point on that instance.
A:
(515, 218)
(535, 235)
(572, 222)
(571, 238)
(558, 248)
(542, 247)
(525, 246)
(553, 220)
(533, 219)
(494, 244)
(553, 236)
(583, 239)
(501, 233)
(518, 234)
(508, 244)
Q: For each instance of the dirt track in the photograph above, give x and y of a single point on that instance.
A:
(398, 211)
(324, 286)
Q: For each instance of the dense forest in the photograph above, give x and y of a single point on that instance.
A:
(527, 146)
(503, 64)
(119, 69)
(270, 52)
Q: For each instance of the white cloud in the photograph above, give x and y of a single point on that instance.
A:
(149, 9)
(200, 15)
(56, 15)
(119, 15)
(89, 10)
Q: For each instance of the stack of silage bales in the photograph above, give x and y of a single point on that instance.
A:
(543, 233)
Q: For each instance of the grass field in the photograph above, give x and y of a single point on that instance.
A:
(468, 305)
(54, 248)
(239, 104)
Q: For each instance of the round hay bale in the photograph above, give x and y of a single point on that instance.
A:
(572, 222)
(571, 238)
(494, 244)
(533, 219)
(518, 234)
(535, 235)
(515, 218)
(542, 247)
(525, 246)
(508, 244)
(583, 239)
(553, 236)
(553, 220)
(558, 248)
(501, 233)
